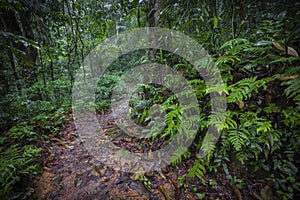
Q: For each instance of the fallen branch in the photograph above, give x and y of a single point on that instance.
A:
(255, 196)
(286, 78)
(236, 191)
(163, 191)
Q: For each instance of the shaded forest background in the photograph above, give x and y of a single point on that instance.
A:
(255, 45)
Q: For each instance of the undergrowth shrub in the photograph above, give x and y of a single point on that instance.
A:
(260, 131)
(19, 160)
(30, 116)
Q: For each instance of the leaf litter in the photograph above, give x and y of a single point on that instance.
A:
(70, 172)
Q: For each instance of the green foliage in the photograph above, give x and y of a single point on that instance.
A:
(18, 158)
(251, 135)
(178, 154)
(145, 181)
(242, 90)
(17, 163)
(104, 90)
(260, 129)
(22, 132)
(173, 118)
(293, 90)
(198, 170)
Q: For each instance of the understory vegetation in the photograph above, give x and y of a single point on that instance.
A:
(254, 45)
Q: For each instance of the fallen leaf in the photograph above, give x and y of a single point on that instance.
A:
(241, 104)
(77, 182)
(104, 179)
(268, 98)
(277, 45)
(266, 193)
(112, 131)
(64, 144)
(292, 52)
(50, 157)
(97, 170)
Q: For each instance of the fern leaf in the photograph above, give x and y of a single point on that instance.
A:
(198, 170)
(237, 138)
(178, 154)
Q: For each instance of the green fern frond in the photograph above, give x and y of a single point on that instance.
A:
(285, 59)
(271, 108)
(198, 170)
(196, 81)
(264, 126)
(291, 116)
(218, 120)
(172, 116)
(219, 88)
(11, 159)
(293, 90)
(243, 89)
(242, 156)
(234, 44)
(227, 59)
(237, 138)
(208, 146)
(230, 123)
(178, 154)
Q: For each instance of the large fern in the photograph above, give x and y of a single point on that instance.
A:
(242, 90)
(15, 163)
(173, 118)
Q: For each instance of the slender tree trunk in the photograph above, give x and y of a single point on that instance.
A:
(153, 20)
(18, 24)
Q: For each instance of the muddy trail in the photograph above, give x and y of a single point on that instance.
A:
(71, 172)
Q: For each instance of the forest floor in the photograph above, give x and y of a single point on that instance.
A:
(70, 172)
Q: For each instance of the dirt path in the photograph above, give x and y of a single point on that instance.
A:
(71, 173)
